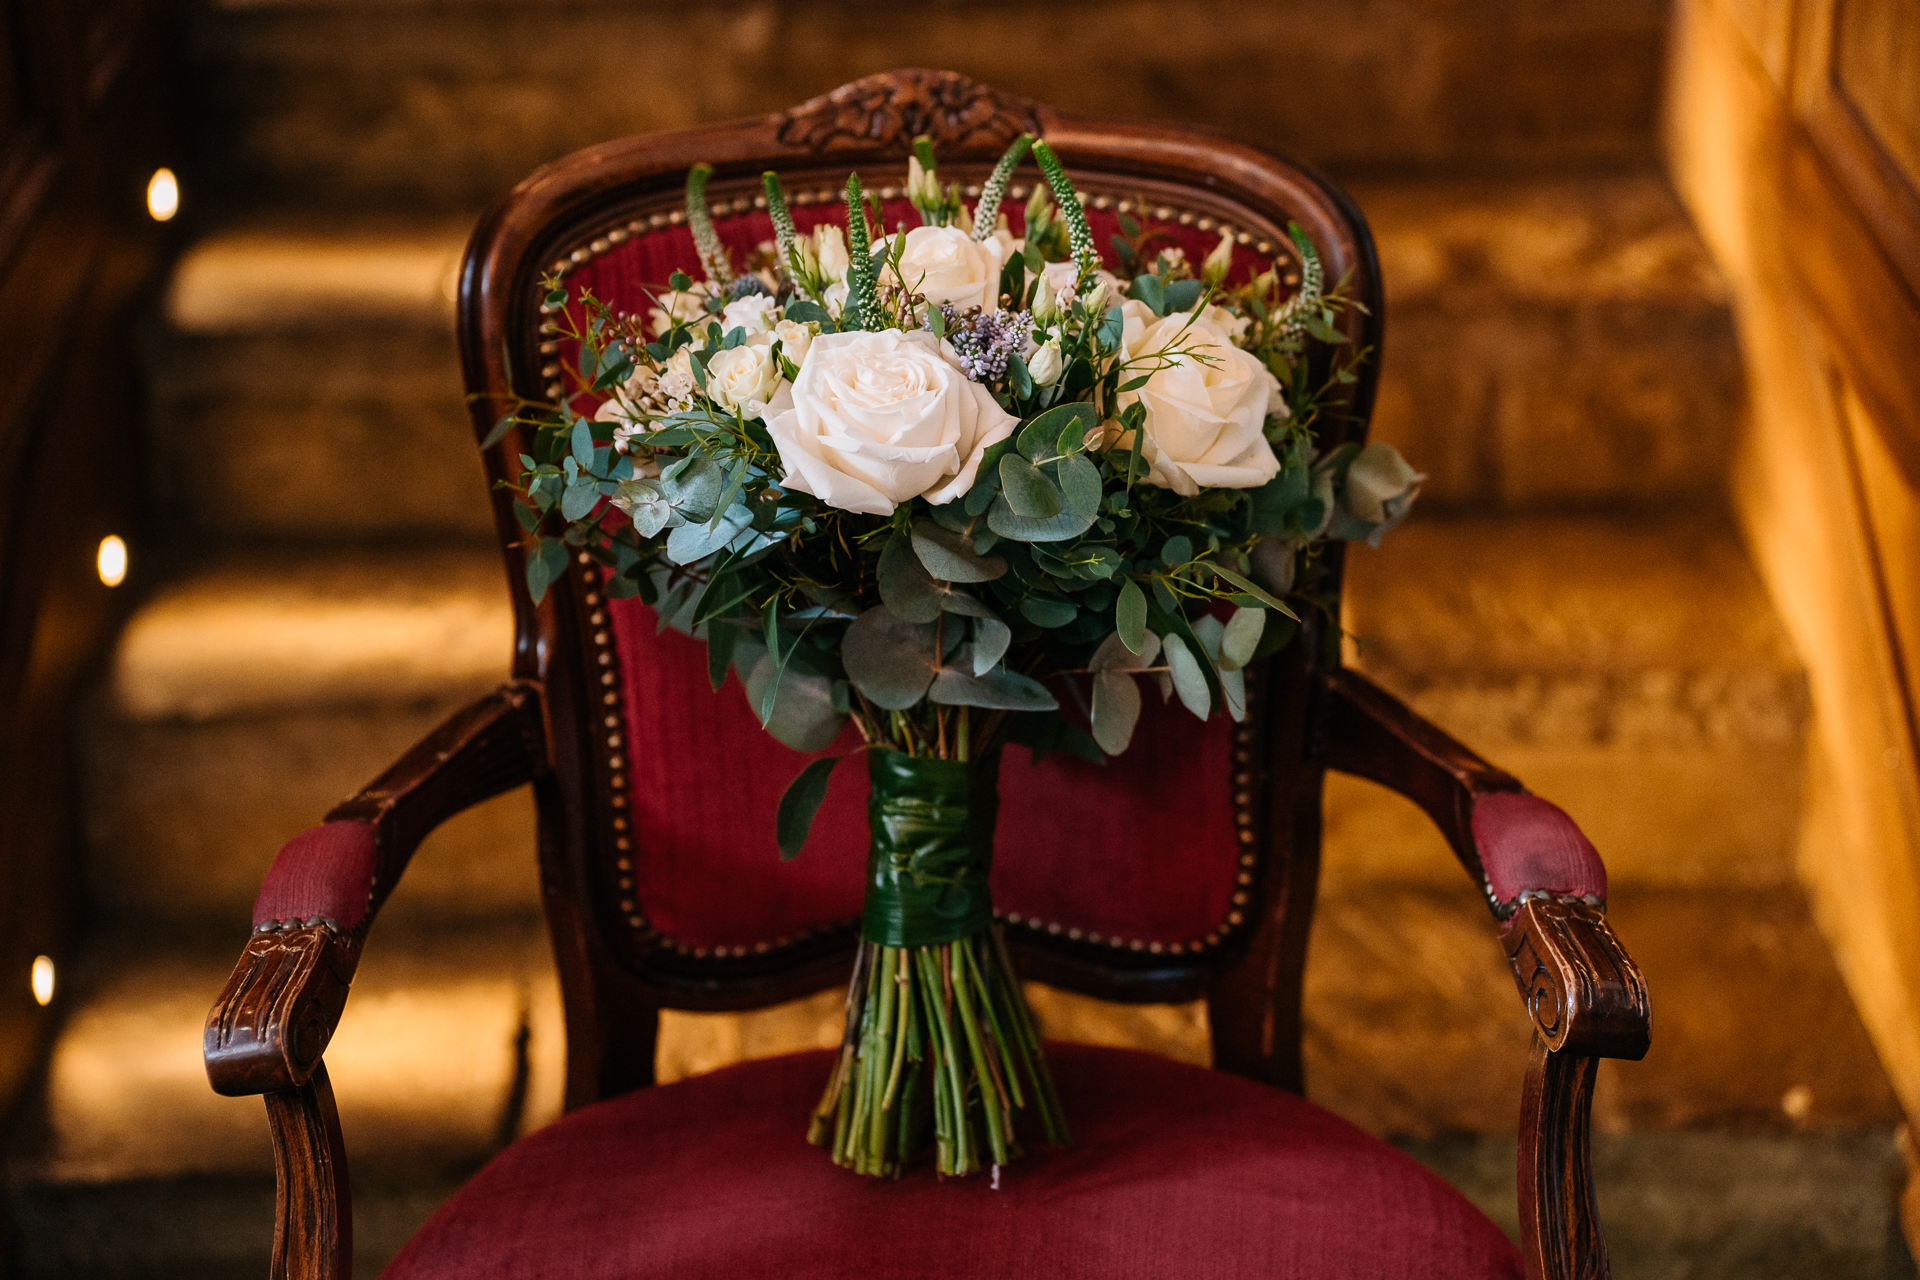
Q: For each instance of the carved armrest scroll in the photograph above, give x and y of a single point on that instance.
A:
(1583, 992)
(277, 1013)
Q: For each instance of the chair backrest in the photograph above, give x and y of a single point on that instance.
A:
(1182, 868)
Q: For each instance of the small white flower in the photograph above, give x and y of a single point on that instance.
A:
(834, 299)
(676, 381)
(756, 313)
(1233, 326)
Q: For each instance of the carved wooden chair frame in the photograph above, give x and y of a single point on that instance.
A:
(556, 725)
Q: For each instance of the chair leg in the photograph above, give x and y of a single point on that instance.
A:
(1559, 1222)
(313, 1208)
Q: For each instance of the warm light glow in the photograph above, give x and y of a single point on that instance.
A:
(43, 979)
(112, 560)
(163, 195)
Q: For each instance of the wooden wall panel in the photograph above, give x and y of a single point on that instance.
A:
(1789, 160)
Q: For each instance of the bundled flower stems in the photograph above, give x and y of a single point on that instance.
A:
(961, 488)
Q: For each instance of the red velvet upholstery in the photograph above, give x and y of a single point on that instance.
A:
(625, 273)
(1527, 843)
(324, 871)
(1142, 847)
(1178, 1171)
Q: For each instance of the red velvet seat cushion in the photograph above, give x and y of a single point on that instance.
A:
(1177, 1171)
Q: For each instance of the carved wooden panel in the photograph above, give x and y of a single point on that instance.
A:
(894, 109)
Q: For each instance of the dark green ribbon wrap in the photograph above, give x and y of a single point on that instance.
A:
(932, 825)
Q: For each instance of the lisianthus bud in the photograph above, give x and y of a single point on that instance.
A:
(923, 188)
(1046, 305)
(830, 251)
(1045, 364)
(1220, 261)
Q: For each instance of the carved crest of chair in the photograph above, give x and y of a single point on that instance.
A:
(1183, 869)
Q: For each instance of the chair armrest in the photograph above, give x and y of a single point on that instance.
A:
(1515, 845)
(273, 1019)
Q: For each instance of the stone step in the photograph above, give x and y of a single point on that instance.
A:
(1550, 343)
(421, 104)
(246, 699)
(305, 384)
(450, 1047)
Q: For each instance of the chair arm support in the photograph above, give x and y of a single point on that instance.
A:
(1515, 845)
(273, 1019)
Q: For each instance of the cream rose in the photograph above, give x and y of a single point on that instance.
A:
(947, 265)
(742, 379)
(877, 418)
(756, 313)
(1205, 419)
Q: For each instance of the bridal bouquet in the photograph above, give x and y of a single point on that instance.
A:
(962, 489)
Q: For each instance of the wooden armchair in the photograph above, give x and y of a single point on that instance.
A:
(1206, 893)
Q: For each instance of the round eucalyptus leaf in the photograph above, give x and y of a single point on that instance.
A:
(889, 660)
(1116, 710)
(799, 712)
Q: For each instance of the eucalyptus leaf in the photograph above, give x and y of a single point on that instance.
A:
(582, 441)
(579, 500)
(798, 805)
(1116, 710)
(905, 585)
(1252, 588)
(990, 640)
(1176, 551)
(1026, 491)
(1188, 680)
(1150, 290)
(692, 542)
(949, 555)
(544, 566)
(1113, 654)
(1130, 616)
(1009, 524)
(888, 660)
(796, 709)
(1080, 481)
(965, 605)
(1182, 294)
(1241, 637)
(694, 487)
(1043, 612)
(999, 689)
(1042, 437)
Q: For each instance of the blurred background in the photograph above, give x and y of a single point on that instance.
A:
(1652, 332)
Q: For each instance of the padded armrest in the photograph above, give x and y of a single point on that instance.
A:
(273, 1019)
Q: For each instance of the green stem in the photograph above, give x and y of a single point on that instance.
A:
(990, 1108)
(905, 1005)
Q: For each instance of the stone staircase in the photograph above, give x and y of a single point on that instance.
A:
(1571, 600)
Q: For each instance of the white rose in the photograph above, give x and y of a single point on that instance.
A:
(756, 313)
(684, 305)
(947, 265)
(742, 379)
(795, 339)
(1205, 420)
(1380, 489)
(1235, 327)
(877, 418)
(834, 299)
